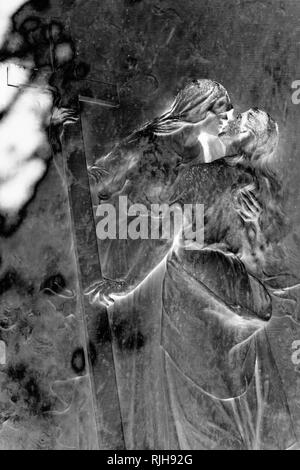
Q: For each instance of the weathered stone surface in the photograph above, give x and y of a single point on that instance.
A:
(147, 49)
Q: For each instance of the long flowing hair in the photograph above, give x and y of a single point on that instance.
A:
(270, 185)
(269, 190)
(189, 107)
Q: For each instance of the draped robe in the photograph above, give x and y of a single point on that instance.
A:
(191, 372)
(194, 366)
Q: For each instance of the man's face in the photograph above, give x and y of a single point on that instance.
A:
(218, 116)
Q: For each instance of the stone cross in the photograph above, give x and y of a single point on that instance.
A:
(98, 348)
(89, 269)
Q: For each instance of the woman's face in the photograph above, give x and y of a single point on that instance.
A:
(242, 123)
(241, 132)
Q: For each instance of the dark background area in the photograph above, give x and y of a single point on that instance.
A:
(147, 49)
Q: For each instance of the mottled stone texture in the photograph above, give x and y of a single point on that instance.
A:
(148, 49)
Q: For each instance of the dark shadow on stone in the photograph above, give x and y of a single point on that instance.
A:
(92, 352)
(54, 284)
(127, 338)
(12, 279)
(102, 330)
(41, 5)
(78, 360)
(29, 391)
